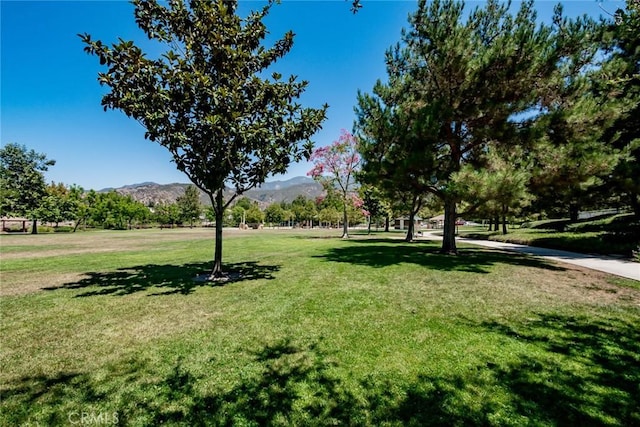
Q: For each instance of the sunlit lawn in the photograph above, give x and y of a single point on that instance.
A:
(319, 331)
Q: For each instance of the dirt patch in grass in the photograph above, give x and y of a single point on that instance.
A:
(582, 285)
(34, 283)
(42, 246)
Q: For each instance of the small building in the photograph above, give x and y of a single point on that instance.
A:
(437, 221)
(402, 223)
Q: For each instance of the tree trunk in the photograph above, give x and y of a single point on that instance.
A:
(574, 211)
(505, 211)
(34, 227)
(412, 219)
(490, 225)
(449, 233)
(345, 219)
(217, 258)
(635, 205)
(369, 225)
(386, 224)
(411, 229)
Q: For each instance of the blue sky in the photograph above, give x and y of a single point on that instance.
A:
(50, 99)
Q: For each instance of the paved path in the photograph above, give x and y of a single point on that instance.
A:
(619, 267)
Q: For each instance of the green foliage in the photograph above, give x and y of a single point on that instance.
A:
(499, 188)
(254, 215)
(113, 210)
(303, 210)
(614, 223)
(167, 214)
(238, 215)
(274, 214)
(244, 203)
(619, 85)
(455, 85)
(189, 205)
(22, 185)
(206, 97)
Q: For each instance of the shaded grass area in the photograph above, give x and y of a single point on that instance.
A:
(322, 332)
(590, 242)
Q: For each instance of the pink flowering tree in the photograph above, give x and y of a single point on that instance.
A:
(334, 166)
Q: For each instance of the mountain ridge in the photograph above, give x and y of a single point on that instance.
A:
(270, 192)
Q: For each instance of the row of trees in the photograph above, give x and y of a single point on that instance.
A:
(492, 112)
(24, 193)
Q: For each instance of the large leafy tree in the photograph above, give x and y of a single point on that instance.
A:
(207, 98)
(274, 214)
(461, 81)
(22, 184)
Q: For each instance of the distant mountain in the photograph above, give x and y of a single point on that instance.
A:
(152, 193)
(268, 193)
(281, 185)
(277, 191)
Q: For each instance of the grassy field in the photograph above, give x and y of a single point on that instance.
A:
(109, 328)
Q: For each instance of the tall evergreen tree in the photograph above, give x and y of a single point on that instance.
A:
(619, 83)
(462, 81)
(395, 157)
(572, 158)
(207, 98)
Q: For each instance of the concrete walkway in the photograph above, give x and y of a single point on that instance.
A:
(619, 267)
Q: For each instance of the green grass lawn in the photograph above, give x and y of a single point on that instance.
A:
(111, 328)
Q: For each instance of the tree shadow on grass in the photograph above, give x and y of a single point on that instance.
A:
(299, 385)
(590, 376)
(168, 279)
(386, 252)
(303, 385)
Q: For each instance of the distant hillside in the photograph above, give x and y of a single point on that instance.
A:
(268, 193)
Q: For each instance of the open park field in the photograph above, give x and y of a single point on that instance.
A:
(109, 328)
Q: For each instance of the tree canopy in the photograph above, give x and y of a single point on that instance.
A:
(458, 83)
(207, 97)
(22, 183)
